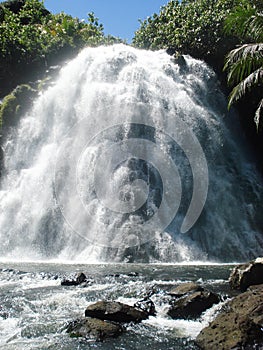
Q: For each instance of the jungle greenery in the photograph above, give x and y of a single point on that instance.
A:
(212, 30)
(194, 27)
(31, 38)
(245, 63)
(224, 33)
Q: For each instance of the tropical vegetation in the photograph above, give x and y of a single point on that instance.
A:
(194, 27)
(244, 64)
(31, 39)
(224, 33)
(212, 30)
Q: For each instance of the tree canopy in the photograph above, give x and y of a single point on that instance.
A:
(194, 27)
(31, 38)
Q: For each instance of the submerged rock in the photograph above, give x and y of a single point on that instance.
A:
(81, 278)
(115, 311)
(192, 305)
(246, 275)
(133, 274)
(239, 326)
(185, 288)
(94, 328)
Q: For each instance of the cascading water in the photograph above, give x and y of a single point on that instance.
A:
(114, 142)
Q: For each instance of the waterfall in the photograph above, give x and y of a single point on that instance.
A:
(130, 156)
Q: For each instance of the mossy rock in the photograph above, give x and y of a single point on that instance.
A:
(16, 104)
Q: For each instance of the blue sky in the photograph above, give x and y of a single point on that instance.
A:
(119, 17)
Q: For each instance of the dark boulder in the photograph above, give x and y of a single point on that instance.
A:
(94, 329)
(246, 275)
(238, 326)
(184, 289)
(192, 305)
(171, 51)
(115, 311)
(81, 278)
(133, 274)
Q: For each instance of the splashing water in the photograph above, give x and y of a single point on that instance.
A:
(128, 157)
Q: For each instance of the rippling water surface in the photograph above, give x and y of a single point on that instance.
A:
(35, 308)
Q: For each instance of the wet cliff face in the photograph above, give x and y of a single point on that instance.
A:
(128, 157)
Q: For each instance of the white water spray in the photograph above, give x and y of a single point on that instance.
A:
(111, 164)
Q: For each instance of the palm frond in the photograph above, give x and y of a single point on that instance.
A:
(242, 61)
(258, 113)
(245, 85)
(243, 52)
(242, 68)
(237, 21)
(255, 26)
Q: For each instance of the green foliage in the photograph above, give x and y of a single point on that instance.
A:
(245, 63)
(246, 21)
(7, 108)
(190, 27)
(15, 104)
(31, 38)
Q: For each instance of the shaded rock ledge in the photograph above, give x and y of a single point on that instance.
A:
(239, 326)
(246, 275)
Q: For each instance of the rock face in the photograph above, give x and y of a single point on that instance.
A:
(94, 329)
(185, 288)
(247, 275)
(239, 326)
(115, 311)
(192, 305)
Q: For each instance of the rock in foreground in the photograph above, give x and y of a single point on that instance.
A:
(115, 311)
(94, 329)
(192, 305)
(247, 275)
(240, 326)
(185, 288)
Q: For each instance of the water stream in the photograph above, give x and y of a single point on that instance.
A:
(130, 157)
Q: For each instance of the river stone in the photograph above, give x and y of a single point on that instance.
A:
(115, 311)
(246, 275)
(238, 326)
(192, 305)
(94, 329)
(80, 278)
(185, 288)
